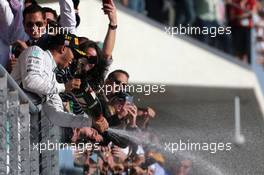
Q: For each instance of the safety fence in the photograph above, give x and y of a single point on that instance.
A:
(22, 127)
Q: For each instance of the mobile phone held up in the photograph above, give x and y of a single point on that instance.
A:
(106, 2)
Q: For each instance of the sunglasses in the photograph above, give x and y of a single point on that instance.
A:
(90, 59)
(32, 24)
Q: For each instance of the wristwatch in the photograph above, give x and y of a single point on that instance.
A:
(112, 27)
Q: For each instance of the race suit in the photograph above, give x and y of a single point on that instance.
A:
(34, 72)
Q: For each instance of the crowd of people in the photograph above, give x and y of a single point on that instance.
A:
(67, 76)
(63, 75)
(243, 16)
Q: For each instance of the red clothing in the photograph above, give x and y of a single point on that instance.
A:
(237, 10)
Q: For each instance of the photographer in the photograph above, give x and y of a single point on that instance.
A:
(117, 81)
(124, 112)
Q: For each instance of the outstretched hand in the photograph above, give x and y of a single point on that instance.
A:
(101, 124)
(110, 10)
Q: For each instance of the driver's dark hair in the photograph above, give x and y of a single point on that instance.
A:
(51, 42)
(34, 8)
(50, 10)
(112, 75)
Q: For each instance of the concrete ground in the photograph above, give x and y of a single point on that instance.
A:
(207, 115)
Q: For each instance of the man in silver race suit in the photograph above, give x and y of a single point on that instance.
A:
(35, 73)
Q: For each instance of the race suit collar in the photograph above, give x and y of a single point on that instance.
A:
(54, 65)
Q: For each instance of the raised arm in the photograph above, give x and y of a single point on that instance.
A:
(110, 38)
(17, 31)
(67, 15)
(11, 21)
(6, 19)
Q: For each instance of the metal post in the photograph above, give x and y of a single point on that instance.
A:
(34, 140)
(50, 156)
(239, 138)
(3, 110)
(24, 139)
(13, 114)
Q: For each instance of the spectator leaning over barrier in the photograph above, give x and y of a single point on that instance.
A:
(35, 73)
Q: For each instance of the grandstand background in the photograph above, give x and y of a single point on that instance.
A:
(201, 84)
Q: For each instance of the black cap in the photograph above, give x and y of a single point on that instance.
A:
(72, 41)
(69, 40)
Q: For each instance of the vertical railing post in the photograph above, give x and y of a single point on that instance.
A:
(13, 145)
(24, 139)
(239, 138)
(49, 134)
(3, 136)
(34, 140)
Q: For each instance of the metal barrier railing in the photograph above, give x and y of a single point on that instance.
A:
(22, 127)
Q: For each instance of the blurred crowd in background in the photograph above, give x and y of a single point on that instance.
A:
(243, 16)
(65, 73)
(67, 77)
